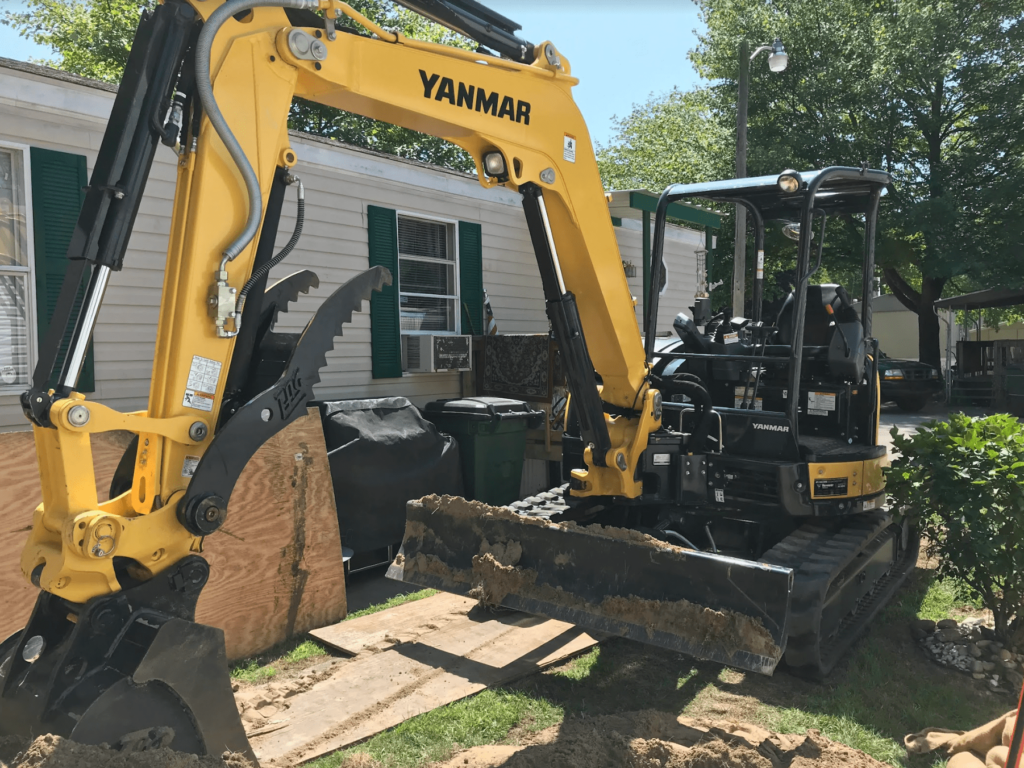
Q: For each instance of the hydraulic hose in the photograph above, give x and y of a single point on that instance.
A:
(204, 87)
(260, 272)
(680, 538)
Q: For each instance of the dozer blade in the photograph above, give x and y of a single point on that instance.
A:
(606, 579)
(131, 670)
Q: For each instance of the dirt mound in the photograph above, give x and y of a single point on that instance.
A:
(54, 752)
(652, 739)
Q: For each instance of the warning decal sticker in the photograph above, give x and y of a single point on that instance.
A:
(821, 401)
(760, 265)
(203, 377)
(569, 148)
(189, 467)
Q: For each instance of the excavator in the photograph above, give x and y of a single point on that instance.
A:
(796, 551)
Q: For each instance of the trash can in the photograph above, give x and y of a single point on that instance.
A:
(491, 432)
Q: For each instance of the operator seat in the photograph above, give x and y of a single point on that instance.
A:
(818, 328)
(846, 351)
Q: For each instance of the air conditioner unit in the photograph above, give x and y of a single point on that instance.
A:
(430, 354)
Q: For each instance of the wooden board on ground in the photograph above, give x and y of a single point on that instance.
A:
(19, 477)
(401, 624)
(276, 564)
(376, 691)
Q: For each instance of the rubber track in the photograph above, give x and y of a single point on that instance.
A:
(818, 552)
(544, 504)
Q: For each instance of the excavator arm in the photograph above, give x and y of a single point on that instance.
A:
(520, 117)
(216, 80)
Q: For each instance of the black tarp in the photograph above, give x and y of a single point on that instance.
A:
(382, 454)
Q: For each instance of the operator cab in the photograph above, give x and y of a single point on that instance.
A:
(777, 398)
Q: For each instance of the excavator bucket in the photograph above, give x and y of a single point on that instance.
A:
(130, 670)
(610, 580)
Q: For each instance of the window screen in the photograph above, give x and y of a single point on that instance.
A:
(427, 283)
(15, 273)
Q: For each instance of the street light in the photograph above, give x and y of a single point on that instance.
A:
(778, 60)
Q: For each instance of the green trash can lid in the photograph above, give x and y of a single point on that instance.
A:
(483, 408)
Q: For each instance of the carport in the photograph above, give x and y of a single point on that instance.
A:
(993, 366)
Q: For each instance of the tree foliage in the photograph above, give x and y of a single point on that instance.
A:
(365, 132)
(929, 90)
(969, 475)
(92, 38)
(666, 140)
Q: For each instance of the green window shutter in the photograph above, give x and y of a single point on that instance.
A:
(385, 332)
(58, 191)
(471, 277)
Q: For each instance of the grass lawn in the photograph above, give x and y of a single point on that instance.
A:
(883, 690)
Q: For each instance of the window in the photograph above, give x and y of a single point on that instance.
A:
(16, 350)
(437, 288)
(427, 285)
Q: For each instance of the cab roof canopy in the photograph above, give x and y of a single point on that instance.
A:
(841, 190)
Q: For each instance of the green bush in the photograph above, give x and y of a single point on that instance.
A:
(964, 481)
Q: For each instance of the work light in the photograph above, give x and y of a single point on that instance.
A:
(789, 181)
(494, 164)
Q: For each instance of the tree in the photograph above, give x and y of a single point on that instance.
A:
(929, 90)
(92, 38)
(666, 140)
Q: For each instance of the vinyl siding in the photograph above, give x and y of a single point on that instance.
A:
(68, 115)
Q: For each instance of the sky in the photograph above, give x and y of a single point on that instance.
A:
(621, 53)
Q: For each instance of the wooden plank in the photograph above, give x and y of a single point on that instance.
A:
(276, 564)
(377, 691)
(276, 568)
(19, 477)
(401, 624)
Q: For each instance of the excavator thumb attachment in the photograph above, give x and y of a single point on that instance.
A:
(606, 579)
(129, 670)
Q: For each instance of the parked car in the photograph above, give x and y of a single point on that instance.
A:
(909, 383)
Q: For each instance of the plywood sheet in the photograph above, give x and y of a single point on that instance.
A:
(401, 624)
(376, 691)
(276, 565)
(22, 493)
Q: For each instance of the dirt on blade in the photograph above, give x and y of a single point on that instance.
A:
(652, 739)
(496, 573)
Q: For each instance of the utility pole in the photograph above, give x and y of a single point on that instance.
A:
(778, 59)
(739, 259)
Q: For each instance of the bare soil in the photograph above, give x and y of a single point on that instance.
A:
(54, 752)
(652, 739)
(885, 684)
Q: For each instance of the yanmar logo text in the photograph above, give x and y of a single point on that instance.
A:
(475, 98)
(771, 427)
